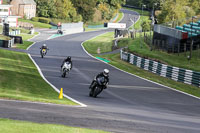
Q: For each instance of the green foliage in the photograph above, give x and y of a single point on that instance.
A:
(46, 8)
(149, 3)
(44, 20)
(145, 26)
(59, 9)
(172, 10)
(25, 17)
(35, 19)
(86, 8)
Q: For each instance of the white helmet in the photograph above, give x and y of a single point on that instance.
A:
(106, 72)
(44, 45)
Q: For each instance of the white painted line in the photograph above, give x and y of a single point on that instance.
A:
(56, 89)
(136, 75)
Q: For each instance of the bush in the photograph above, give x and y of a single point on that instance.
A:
(44, 20)
(35, 19)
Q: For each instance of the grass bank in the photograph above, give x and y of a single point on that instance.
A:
(36, 24)
(30, 127)
(144, 51)
(173, 59)
(102, 42)
(20, 80)
(25, 38)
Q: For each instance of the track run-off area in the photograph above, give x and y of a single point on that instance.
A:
(129, 104)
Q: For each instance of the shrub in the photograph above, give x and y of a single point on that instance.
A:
(44, 20)
(35, 19)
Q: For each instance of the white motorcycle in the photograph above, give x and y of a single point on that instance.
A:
(65, 69)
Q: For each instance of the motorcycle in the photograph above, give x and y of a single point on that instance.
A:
(100, 85)
(65, 69)
(43, 52)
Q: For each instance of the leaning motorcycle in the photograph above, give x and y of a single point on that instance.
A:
(98, 88)
(65, 69)
(43, 52)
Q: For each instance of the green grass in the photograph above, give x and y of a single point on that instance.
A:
(36, 24)
(164, 57)
(14, 126)
(104, 42)
(20, 80)
(26, 43)
(2, 37)
(135, 46)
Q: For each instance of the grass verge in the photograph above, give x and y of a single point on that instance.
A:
(104, 42)
(20, 80)
(36, 24)
(30, 127)
(173, 59)
(26, 43)
(135, 45)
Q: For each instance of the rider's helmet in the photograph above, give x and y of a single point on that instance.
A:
(44, 45)
(69, 58)
(105, 72)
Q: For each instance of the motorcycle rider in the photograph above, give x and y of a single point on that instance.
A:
(44, 46)
(69, 60)
(104, 74)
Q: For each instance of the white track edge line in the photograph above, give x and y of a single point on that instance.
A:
(56, 89)
(136, 75)
(33, 42)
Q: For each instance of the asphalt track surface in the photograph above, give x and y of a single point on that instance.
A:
(130, 104)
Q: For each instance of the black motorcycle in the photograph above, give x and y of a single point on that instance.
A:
(98, 88)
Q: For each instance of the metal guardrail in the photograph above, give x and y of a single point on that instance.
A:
(15, 32)
(178, 74)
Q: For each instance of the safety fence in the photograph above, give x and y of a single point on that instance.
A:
(14, 32)
(178, 74)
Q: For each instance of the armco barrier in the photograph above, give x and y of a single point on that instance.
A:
(14, 32)
(175, 73)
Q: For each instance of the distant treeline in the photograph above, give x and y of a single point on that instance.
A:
(78, 10)
(170, 10)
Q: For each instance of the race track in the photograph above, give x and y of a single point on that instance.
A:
(130, 104)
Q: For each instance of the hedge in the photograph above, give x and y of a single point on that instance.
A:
(44, 20)
(35, 19)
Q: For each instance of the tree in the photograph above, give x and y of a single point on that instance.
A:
(145, 27)
(45, 8)
(172, 10)
(86, 8)
(195, 4)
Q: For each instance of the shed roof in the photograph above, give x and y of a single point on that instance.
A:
(26, 2)
(29, 2)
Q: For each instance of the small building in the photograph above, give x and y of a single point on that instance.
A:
(6, 15)
(23, 8)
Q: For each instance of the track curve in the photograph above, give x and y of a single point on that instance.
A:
(130, 104)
